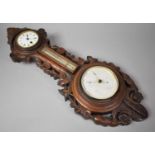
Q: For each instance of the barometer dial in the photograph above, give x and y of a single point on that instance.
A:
(99, 82)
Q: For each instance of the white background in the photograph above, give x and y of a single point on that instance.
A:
(30, 100)
(77, 11)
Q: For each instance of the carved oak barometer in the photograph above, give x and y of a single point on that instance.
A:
(97, 90)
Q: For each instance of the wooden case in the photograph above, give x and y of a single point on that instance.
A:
(120, 109)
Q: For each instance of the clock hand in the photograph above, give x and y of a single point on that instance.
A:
(91, 82)
(27, 37)
(98, 79)
(94, 73)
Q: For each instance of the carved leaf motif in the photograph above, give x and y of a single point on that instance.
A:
(65, 93)
(63, 82)
(90, 59)
(79, 60)
(11, 33)
(129, 109)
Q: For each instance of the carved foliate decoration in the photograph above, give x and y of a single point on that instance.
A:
(120, 109)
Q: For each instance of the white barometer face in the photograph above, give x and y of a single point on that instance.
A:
(27, 39)
(99, 82)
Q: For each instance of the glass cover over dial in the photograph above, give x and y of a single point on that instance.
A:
(27, 39)
(99, 82)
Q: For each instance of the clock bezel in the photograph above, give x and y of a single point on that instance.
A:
(105, 69)
(27, 49)
(98, 105)
(25, 32)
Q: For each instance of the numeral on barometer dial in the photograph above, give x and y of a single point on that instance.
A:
(97, 90)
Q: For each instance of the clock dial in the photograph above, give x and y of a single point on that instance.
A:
(99, 82)
(27, 39)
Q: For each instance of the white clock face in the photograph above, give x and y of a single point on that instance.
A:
(27, 39)
(99, 82)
